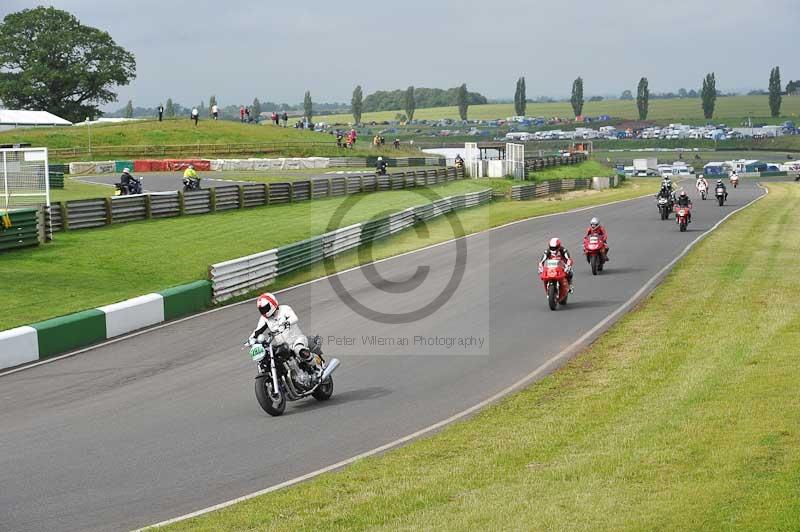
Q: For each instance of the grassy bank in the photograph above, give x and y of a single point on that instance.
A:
(686, 109)
(83, 269)
(590, 168)
(109, 141)
(75, 190)
(668, 427)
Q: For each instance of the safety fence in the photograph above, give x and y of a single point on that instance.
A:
(19, 228)
(539, 163)
(87, 213)
(235, 165)
(240, 276)
(557, 186)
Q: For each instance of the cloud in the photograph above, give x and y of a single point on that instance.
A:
(241, 49)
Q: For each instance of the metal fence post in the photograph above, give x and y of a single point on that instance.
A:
(181, 203)
(241, 196)
(266, 193)
(109, 212)
(291, 191)
(212, 199)
(64, 215)
(148, 207)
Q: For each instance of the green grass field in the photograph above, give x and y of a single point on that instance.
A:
(288, 141)
(88, 268)
(687, 110)
(75, 190)
(690, 424)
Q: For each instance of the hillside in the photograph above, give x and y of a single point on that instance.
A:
(686, 110)
(280, 141)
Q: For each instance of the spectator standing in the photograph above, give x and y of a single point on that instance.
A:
(353, 137)
(285, 119)
(215, 111)
(397, 144)
(160, 112)
(241, 113)
(195, 115)
(247, 114)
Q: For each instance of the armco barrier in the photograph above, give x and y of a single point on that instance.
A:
(240, 276)
(59, 335)
(554, 186)
(23, 232)
(81, 214)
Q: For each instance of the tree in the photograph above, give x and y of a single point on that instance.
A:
(357, 104)
(169, 109)
(463, 103)
(626, 95)
(643, 98)
(129, 109)
(255, 111)
(50, 61)
(693, 93)
(410, 102)
(520, 98)
(202, 107)
(682, 93)
(775, 92)
(708, 95)
(792, 87)
(577, 96)
(308, 106)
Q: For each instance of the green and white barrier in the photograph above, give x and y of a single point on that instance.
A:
(73, 331)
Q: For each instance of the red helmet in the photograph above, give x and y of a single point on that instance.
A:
(267, 304)
(555, 243)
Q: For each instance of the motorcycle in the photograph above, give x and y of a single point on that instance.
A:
(735, 180)
(595, 250)
(190, 183)
(380, 170)
(133, 187)
(664, 206)
(682, 217)
(281, 378)
(556, 285)
(721, 193)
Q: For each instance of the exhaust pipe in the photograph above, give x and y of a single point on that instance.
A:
(329, 369)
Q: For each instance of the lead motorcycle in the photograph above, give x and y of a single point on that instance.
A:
(282, 376)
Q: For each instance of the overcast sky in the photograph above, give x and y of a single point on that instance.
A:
(241, 49)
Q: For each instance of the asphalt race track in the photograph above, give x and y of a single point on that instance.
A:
(165, 423)
(164, 181)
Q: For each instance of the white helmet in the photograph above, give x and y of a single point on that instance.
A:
(594, 222)
(380, 158)
(555, 243)
(267, 304)
(126, 170)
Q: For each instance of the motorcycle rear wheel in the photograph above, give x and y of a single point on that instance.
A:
(551, 295)
(265, 400)
(325, 390)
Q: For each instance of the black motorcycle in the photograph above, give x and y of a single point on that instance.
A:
(190, 183)
(283, 376)
(664, 207)
(721, 195)
(133, 186)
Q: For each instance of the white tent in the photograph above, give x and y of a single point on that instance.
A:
(10, 119)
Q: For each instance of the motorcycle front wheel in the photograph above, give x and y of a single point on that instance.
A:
(270, 405)
(683, 226)
(595, 259)
(721, 200)
(551, 295)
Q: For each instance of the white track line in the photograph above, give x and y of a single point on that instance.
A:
(393, 257)
(546, 366)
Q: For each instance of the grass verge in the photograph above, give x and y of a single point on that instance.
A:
(84, 269)
(647, 429)
(585, 169)
(75, 190)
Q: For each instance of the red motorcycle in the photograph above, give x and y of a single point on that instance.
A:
(554, 275)
(594, 248)
(682, 216)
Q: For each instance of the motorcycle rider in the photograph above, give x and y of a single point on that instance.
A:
(556, 251)
(701, 183)
(127, 181)
(720, 184)
(598, 230)
(684, 201)
(666, 192)
(459, 162)
(380, 168)
(191, 175)
(281, 319)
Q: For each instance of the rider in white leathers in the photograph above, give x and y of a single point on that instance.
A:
(281, 319)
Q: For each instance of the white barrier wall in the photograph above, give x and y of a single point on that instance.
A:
(283, 163)
(133, 314)
(18, 346)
